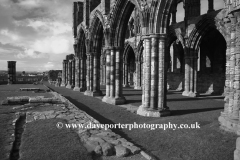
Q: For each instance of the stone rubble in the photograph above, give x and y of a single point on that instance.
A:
(97, 141)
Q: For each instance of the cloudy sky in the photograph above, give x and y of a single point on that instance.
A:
(38, 33)
(35, 33)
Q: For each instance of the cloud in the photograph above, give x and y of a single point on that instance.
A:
(52, 66)
(9, 34)
(31, 54)
(47, 25)
(54, 44)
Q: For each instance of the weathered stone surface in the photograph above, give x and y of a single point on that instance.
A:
(98, 150)
(107, 149)
(91, 145)
(133, 149)
(96, 139)
(121, 151)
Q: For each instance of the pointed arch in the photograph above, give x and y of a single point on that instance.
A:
(207, 23)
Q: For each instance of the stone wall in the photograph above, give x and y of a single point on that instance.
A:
(210, 83)
(175, 81)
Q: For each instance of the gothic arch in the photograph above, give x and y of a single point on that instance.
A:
(128, 46)
(82, 42)
(207, 23)
(140, 51)
(96, 32)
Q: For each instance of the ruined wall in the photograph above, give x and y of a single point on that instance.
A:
(211, 83)
(175, 81)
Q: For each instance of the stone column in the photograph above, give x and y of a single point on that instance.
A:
(66, 80)
(138, 76)
(73, 73)
(108, 72)
(162, 84)
(210, 6)
(103, 70)
(89, 76)
(69, 85)
(229, 119)
(193, 74)
(95, 76)
(126, 83)
(114, 73)
(77, 75)
(82, 75)
(154, 73)
(104, 74)
(187, 76)
(236, 103)
(154, 100)
(11, 72)
(119, 99)
(63, 84)
(147, 77)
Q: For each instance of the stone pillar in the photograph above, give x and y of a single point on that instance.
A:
(89, 75)
(103, 71)
(11, 72)
(95, 77)
(63, 84)
(69, 85)
(82, 75)
(162, 84)
(114, 77)
(229, 118)
(193, 75)
(108, 72)
(147, 76)
(187, 76)
(154, 90)
(126, 83)
(73, 73)
(66, 80)
(138, 76)
(104, 74)
(210, 6)
(77, 74)
(154, 73)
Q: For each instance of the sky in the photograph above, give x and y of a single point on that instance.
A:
(35, 33)
(38, 33)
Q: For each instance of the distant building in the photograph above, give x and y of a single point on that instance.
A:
(21, 79)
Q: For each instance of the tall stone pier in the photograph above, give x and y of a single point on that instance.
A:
(11, 72)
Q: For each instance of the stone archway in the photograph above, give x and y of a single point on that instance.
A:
(129, 63)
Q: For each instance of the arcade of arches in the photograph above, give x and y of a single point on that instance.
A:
(139, 43)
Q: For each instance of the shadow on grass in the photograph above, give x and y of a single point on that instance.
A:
(194, 99)
(190, 111)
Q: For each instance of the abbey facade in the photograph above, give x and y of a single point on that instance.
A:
(138, 43)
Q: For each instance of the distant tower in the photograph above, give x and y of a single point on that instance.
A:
(11, 72)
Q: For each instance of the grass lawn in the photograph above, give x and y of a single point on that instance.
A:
(42, 140)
